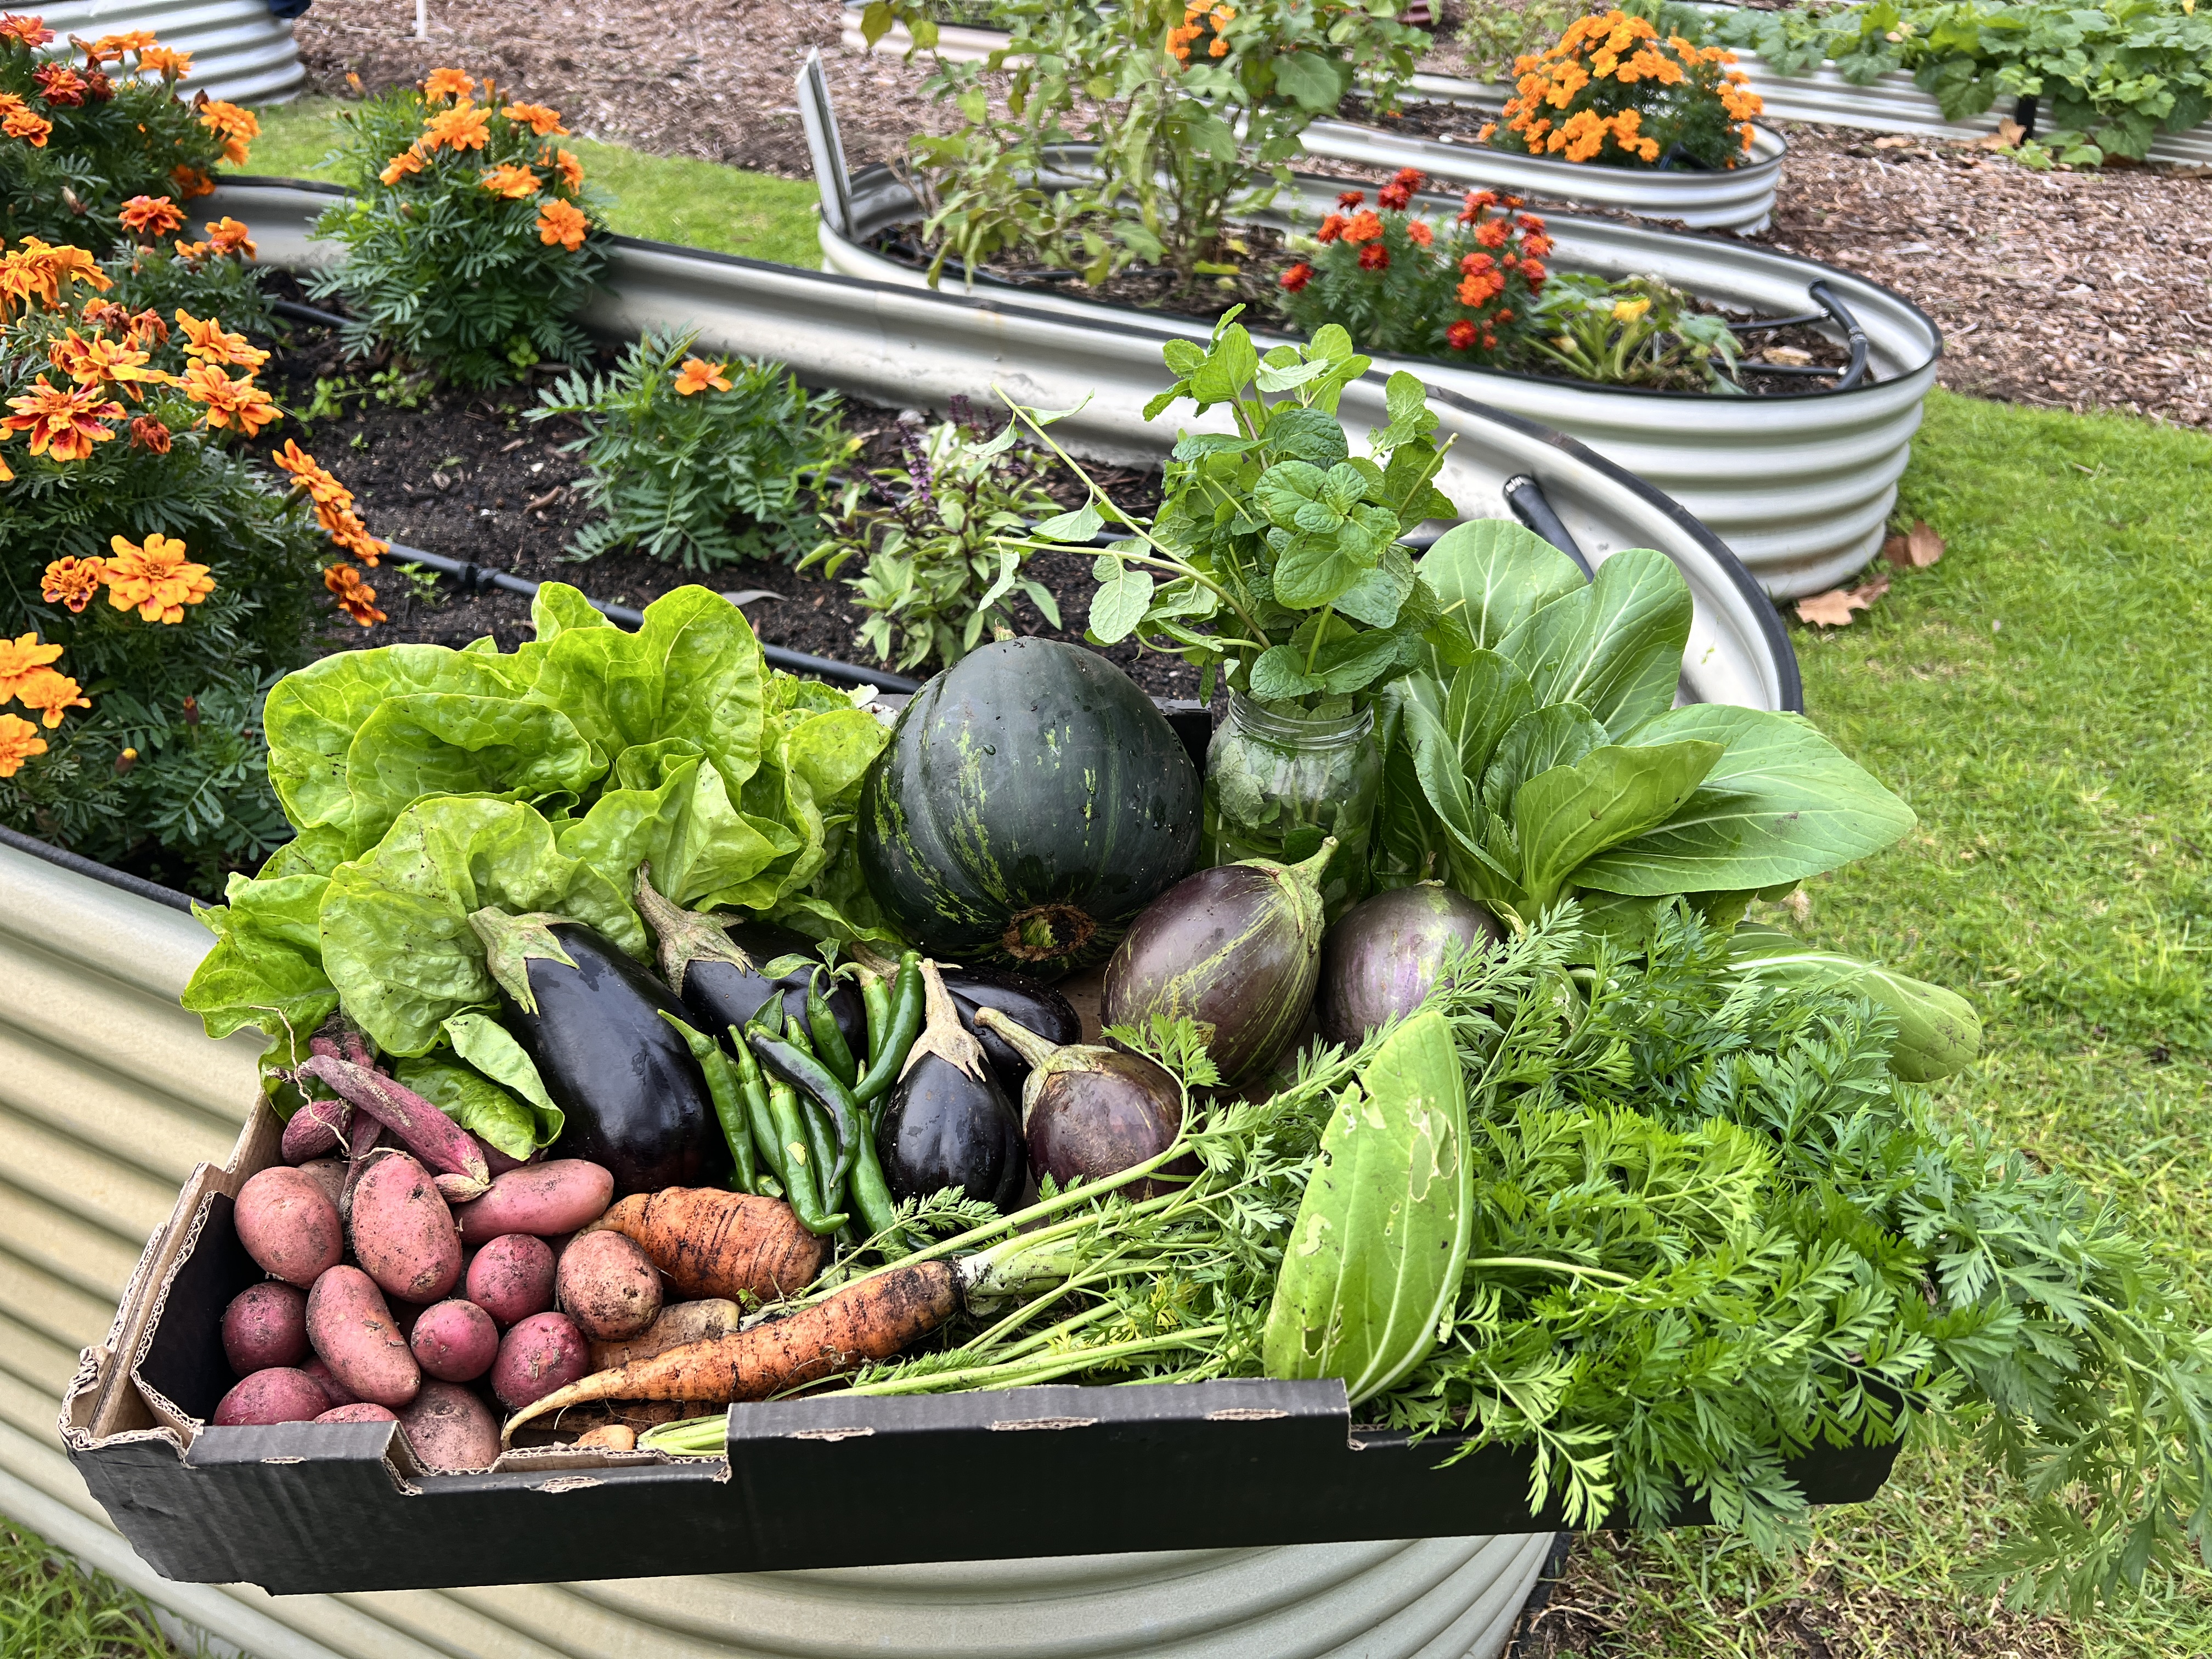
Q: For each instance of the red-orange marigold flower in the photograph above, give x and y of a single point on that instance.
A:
(72, 582)
(1418, 233)
(1394, 197)
(1295, 279)
(64, 421)
(60, 85)
(354, 597)
(151, 215)
(31, 31)
(562, 223)
(1493, 232)
(1375, 257)
(1351, 198)
(1533, 273)
(1461, 335)
(1365, 227)
(1331, 228)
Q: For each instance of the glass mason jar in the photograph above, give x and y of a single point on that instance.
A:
(1278, 782)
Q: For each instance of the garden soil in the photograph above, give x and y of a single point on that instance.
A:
(2077, 290)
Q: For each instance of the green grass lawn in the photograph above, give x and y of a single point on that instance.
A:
(668, 198)
(50, 1610)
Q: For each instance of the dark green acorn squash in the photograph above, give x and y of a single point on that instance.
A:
(1030, 802)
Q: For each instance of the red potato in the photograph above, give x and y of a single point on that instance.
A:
(511, 1278)
(288, 1225)
(327, 1381)
(360, 1412)
(606, 1284)
(330, 1174)
(455, 1341)
(545, 1351)
(354, 1334)
(266, 1325)
(450, 1428)
(542, 1198)
(282, 1393)
(403, 1232)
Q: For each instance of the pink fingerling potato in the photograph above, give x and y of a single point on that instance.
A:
(403, 1232)
(354, 1334)
(543, 1199)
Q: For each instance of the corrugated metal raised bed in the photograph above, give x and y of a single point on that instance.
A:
(1798, 485)
(241, 52)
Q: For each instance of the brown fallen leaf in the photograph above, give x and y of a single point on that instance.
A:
(1834, 608)
(2009, 134)
(1915, 552)
(1893, 141)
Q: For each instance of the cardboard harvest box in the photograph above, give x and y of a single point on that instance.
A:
(807, 1483)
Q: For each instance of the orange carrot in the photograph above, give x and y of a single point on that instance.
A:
(713, 1243)
(872, 1318)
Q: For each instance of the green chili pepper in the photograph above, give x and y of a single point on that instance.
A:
(876, 998)
(908, 1005)
(830, 1045)
(726, 1092)
(755, 1089)
(822, 1143)
(815, 1080)
(871, 1197)
(804, 1196)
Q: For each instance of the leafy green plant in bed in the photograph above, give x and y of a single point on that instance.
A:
(470, 240)
(939, 572)
(699, 464)
(425, 784)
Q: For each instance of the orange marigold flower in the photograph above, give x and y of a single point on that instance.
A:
(19, 657)
(148, 433)
(1535, 247)
(1294, 280)
(1351, 198)
(1365, 227)
(1480, 287)
(697, 374)
(50, 692)
(354, 597)
(543, 121)
(408, 161)
(209, 342)
(1331, 228)
(562, 223)
(1493, 232)
(225, 234)
(1375, 257)
(72, 582)
(89, 363)
(31, 31)
(1474, 264)
(191, 182)
(444, 84)
(1477, 200)
(511, 181)
(463, 127)
(65, 422)
(166, 62)
(151, 215)
(1394, 197)
(1461, 335)
(234, 125)
(229, 401)
(19, 741)
(572, 170)
(1533, 272)
(116, 47)
(19, 120)
(1419, 233)
(156, 578)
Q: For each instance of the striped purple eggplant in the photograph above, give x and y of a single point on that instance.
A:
(1384, 953)
(1236, 950)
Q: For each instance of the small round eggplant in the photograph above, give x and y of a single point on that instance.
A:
(1235, 949)
(636, 1101)
(1089, 1111)
(944, 1128)
(1379, 961)
(1029, 1003)
(715, 969)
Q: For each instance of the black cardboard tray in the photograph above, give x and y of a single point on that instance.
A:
(809, 1483)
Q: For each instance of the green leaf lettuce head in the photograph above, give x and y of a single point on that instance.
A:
(427, 783)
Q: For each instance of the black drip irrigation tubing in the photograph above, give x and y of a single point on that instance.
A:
(1832, 310)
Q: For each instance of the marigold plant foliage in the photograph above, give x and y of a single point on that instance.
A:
(697, 462)
(1185, 101)
(154, 578)
(83, 133)
(1614, 92)
(471, 239)
(1465, 291)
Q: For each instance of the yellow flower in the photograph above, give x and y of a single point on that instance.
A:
(156, 578)
(208, 342)
(21, 658)
(696, 375)
(19, 741)
(1627, 310)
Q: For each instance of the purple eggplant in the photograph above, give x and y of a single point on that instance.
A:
(1379, 961)
(1089, 1111)
(1235, 949)
(636, 1101)
(1029, 1003)
(949, 1124)
(715, 969)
